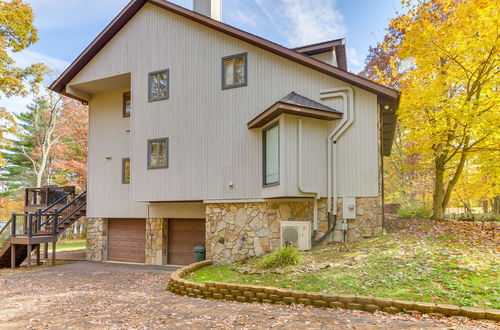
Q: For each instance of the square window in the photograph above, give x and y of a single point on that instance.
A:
(126, 170)
(158, 153)
(158, 85)
(127, 104)
(234, 71)
(271, 155)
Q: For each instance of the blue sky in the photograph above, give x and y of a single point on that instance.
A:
(65, 30)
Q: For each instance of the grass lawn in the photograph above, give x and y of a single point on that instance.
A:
(69, 245)
(419, 260)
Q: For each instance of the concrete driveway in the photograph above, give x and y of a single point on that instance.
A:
(105, 295)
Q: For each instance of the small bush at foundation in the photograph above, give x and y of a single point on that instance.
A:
(415, 211)
(287, 256)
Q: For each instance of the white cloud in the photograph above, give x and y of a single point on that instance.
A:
(28, 57)
(243, 18)
(305, 22)
(355, 64)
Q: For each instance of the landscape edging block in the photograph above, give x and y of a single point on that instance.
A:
(263, 294)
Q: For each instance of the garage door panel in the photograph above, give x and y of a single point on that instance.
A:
(127, 240)
(183, 236)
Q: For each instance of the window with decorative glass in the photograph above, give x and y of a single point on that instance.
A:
(158, 85)
(234, 71)
(158, 153)
(127, 104)
(126, 170)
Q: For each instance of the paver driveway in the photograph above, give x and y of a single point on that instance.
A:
(104, 295)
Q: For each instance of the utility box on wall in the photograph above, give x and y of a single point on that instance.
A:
(349, 207)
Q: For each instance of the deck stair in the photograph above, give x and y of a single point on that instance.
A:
(24, 233)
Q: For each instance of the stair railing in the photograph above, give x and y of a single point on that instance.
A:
(37, 223)
(79, 201)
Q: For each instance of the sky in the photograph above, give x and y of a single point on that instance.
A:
(66, 30)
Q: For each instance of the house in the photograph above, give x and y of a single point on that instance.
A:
(203, 134)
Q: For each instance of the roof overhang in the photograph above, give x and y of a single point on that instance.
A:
(388, 113)
(320, 48)
(59, 85)
(280, 108)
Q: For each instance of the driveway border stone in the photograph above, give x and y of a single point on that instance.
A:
(261, 294)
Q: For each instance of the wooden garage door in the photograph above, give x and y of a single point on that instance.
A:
(127, 240)
(183, 236)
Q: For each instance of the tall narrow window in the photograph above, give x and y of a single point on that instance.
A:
(126, 170)
(234, 71)
(158, 153)
(271, 155)
(158, 85)
(127, 104)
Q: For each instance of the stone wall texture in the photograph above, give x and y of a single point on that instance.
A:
(270, 295)
(156, 241)
(96, 239)
(236, 231)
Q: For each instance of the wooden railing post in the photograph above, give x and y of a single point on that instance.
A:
(30, 226)
(54, 227)
(13, 225)
(39, 221)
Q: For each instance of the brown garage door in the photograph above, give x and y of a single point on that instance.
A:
(183, 236)
(127, 240)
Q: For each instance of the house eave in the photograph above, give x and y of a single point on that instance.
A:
(135, 5)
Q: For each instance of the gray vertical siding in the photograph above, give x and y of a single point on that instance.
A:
(210, 145)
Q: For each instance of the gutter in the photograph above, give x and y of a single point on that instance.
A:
(347, 95)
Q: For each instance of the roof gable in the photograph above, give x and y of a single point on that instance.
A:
(135, 5)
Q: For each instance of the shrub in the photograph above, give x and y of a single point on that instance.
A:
(490, 217)
(287, 256)
(415, 211)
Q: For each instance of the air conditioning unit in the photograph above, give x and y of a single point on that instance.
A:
(296, 233)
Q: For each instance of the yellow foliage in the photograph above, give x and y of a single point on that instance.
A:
(449, 51)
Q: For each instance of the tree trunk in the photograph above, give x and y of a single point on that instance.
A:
(495, 203)
(438, 196)
(485, 206)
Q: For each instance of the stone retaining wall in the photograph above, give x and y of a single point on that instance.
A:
(262, 294)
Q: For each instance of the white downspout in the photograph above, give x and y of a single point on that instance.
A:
(300, 183)
(347, 94)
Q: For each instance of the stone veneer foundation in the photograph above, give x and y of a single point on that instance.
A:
(156, 241)
(236, 231)
(97, 239)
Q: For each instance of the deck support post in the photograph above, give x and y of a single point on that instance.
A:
(53, 253)
(12, 256)
(38, 254)
(46, 251)
(29, 256)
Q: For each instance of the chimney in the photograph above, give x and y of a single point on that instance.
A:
(210, 8)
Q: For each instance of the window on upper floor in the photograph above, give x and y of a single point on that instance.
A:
(158, 86)
(271, 155)
(234, 71)
(127, 104)
(158, 153)
(126, 170)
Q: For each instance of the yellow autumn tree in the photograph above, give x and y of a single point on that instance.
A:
(448, 50)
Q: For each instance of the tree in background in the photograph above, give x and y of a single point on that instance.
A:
(50, 147)
(444, 54)
(70, 156)
(16, 33)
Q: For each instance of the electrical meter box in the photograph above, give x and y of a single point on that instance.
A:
(349, 207)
